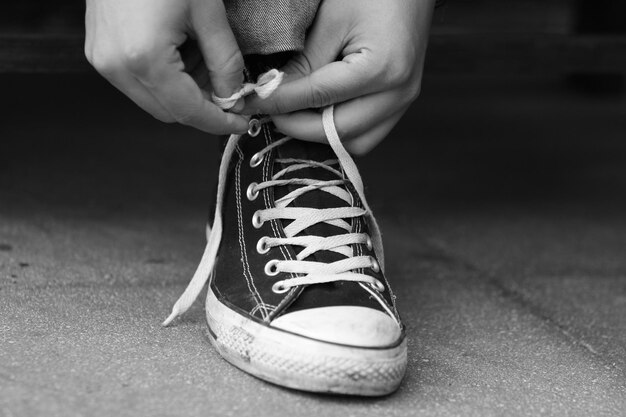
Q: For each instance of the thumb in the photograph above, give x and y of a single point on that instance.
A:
(323, 46)
(218, 46)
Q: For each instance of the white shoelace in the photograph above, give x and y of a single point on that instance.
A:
(265, 85)
(310, 272)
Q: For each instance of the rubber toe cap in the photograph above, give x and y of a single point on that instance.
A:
(347, 325)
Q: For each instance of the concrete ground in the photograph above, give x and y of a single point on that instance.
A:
(503, 205)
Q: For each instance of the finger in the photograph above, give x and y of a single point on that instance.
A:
(314, 78)
(364, 143)
(323, 46)
(219, 46)
(201, 76)
(181, 96)
(356, 75)
(352, 118)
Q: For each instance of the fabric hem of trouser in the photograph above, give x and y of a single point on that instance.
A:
(271, 49)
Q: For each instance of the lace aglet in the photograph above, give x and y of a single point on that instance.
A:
(170, 318)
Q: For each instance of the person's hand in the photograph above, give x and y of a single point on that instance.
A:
(365, 56)
(138, 46)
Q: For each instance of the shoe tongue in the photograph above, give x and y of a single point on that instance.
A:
(317, 199)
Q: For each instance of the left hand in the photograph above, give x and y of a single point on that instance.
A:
(380, 46)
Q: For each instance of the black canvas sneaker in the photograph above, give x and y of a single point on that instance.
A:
(297, 293)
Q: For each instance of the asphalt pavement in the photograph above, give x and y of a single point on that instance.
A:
(503, 208)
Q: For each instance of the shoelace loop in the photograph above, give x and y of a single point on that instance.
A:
(264, 87)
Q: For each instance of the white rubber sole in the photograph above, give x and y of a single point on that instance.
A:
(302, 363)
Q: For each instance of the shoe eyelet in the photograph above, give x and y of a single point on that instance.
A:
(271, 268)
(369, 243)
(256, 160)
(254, 127)
(256, 220)
(252, 193)
(379, 286)
(279, 288)
(375, 265)
(261, 246)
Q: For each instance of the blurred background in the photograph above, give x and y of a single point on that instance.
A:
(502, 194)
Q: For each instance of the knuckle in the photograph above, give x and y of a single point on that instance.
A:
(137, 57)
(357, 148)
(413, 91)
(377, 72)
(185, 118)
(274, 105)
(186, 113)
(105, 63)
(234, 62)
(398, 67)
(399, 73)
(319, 95)
(277, 107)
(231, 64)
(300, 64)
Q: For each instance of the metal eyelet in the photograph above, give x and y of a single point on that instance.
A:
(256, 220)
(379, 286)
(252, 193)
(375, 265)
(271, 268)
(279, 288)
(256, 160)
(369, 243)
(254, 127)
(261, 246)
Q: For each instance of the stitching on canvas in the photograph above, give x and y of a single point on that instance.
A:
(242, 244)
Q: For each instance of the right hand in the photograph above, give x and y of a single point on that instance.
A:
(138, 46)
